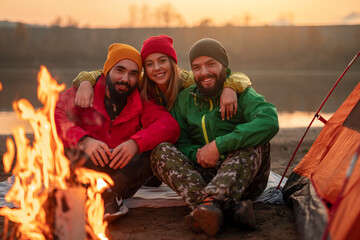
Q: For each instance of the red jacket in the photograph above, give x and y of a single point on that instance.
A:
(145, 122)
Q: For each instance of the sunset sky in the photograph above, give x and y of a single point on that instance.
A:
(116, 13)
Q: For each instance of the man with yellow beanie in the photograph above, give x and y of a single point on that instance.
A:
(119, 130)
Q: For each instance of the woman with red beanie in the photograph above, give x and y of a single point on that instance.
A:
(162, 79)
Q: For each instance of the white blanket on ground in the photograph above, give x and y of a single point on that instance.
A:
(163, 196)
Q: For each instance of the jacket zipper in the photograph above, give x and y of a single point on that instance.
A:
(203, 123)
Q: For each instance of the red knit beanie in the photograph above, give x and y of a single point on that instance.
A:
(158, 44)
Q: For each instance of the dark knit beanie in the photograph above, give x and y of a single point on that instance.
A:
(211, 48)
(158, 44)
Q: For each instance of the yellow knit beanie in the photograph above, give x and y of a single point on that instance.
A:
(119, 51)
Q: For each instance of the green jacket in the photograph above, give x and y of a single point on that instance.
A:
(255, 122)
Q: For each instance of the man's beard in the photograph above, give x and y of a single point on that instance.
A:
(115, 96)
(219, 83)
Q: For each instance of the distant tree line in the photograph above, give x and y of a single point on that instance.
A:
(166, 15)
(268, 47)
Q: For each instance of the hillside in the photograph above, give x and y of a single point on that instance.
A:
(293, 67)
(268, 47)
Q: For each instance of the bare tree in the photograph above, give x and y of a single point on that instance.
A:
(180, 20)
(71, 22)
(285, 19)
(167, 16)
(164, 15)
(133, 15)
(206, 22)
(234, 21)
(145, 16)
(56, 22)
(247, 19)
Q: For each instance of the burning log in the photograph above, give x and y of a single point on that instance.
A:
(70, 213)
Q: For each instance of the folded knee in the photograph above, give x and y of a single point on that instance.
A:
(159, 152)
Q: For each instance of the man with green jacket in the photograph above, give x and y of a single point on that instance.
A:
(217, 166)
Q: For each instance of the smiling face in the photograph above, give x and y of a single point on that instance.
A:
(209, 75)
(158, 69)
(123, 76)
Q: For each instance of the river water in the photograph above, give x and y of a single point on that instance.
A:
(296, 94)
(10, 121)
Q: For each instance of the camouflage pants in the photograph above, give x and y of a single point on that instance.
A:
(241, 175)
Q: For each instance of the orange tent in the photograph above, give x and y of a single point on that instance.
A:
(324, 198)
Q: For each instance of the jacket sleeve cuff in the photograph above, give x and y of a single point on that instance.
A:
(138, 141)
(220, 145)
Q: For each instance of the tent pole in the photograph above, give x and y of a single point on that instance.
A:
(317, 116)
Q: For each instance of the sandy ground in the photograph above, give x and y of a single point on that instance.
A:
(273, 221)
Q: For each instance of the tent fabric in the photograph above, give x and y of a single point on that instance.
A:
(346, 223)
(352, 121)
(300, 192)
(321, 174)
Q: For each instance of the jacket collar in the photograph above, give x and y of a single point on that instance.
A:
(194, 91)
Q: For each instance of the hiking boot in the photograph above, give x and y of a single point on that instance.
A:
(114, 206)
(192, 224)
(209, 216)
(244, 215)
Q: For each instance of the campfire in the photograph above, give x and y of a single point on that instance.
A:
(53, 197)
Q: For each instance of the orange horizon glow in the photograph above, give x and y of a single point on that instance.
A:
(115, 13)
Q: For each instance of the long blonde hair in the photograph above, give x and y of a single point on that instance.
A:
(150, 90)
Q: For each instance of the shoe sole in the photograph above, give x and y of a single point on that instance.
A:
(112, 217)
(192, 224)
(209, 220)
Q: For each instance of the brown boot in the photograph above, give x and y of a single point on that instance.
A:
(192, 224)
(244, 215)
(209, 216)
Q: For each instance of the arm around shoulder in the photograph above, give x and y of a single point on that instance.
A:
(187, 78)
(86, 76)
(238, 81)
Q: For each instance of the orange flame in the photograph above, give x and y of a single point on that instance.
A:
(1, 87)
(42, 167)
(95, 213)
